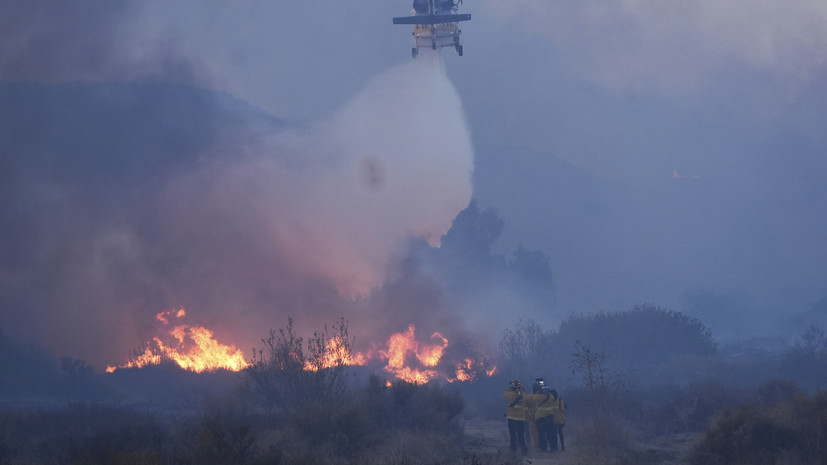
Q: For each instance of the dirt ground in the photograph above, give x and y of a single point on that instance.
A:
(487, 444)
(488, 441)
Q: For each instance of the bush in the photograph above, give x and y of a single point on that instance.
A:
(315, 416)
(602, 389)
(655, 344)
(290, 374)
(525, 347)
(786, 433)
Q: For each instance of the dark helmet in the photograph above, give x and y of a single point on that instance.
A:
(538, 384)
(515, 383)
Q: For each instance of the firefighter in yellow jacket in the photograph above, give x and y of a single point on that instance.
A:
(516, 412)
(543, 405)
(559, 420)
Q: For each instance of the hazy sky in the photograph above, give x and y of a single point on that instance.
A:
(649, 149)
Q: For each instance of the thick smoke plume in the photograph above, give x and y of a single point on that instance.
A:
(395, 163)
(122, 201)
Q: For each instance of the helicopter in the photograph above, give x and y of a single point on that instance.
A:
(436, 24)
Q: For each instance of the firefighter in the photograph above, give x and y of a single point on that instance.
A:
(559, 420)
(531, 420)
(516, 412)
(542, 406)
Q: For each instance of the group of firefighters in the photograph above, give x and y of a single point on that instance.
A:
(542, 410)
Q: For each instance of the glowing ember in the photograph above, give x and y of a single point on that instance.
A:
(195, 349)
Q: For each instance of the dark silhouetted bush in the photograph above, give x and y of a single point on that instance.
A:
(81, 434)
(648, 344)
(215, 439)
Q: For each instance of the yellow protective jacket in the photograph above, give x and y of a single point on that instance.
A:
(559, 411)
(541, 404)
(516, 404)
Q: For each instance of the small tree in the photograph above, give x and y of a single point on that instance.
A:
(812, 341)
(291, 374)
(806, 361)
(602, 389)
(526, 347)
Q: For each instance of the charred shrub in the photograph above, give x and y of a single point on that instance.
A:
(411, 423)
(434, 407)
(81, 434)
(407, 405)
(215, 438)
(403, 405)
(397, 423)
(127, 444)
(290, 371)
(305, 388)
(317, 415)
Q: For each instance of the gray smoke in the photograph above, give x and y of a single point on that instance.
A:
(126, 200)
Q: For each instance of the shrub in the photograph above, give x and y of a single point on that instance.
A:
(525, 347)
(654, 343)
(602, 390)
(214, 439)
(786, 433)
(290, 374)
(317, 417)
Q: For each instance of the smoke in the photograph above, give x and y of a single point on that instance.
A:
(54, 41)
(677, 46)
(127, 200)
(340, 200)
(394, 163)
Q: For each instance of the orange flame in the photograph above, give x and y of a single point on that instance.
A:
(469, 370)
(400, 348)
(464, 370)
(336, 354)
(407, 359)
(195, 349)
